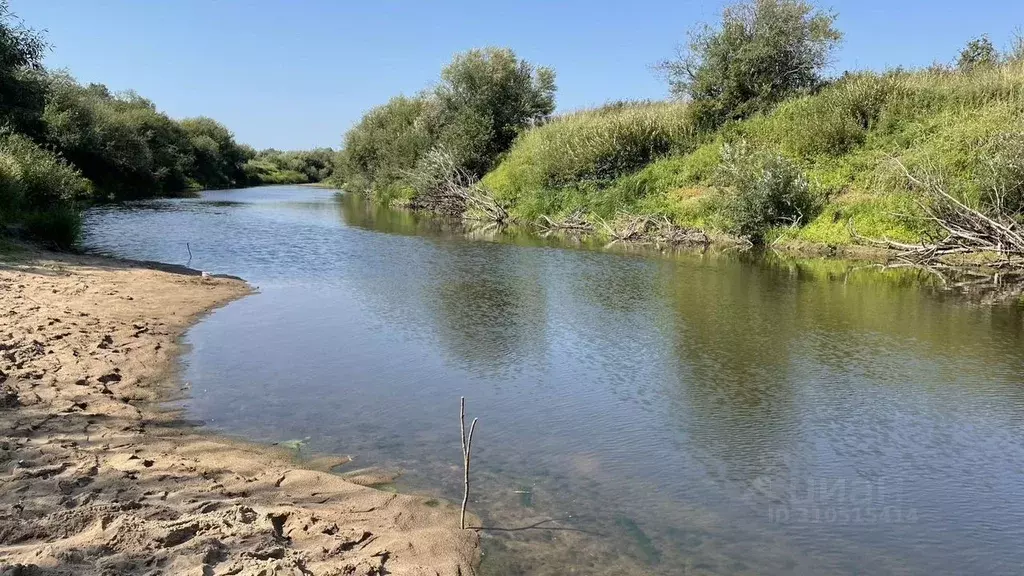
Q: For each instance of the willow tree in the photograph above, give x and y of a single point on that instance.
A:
(22, 89)
(761, 53)
(486, 97)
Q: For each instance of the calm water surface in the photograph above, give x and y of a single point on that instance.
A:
(655, 414)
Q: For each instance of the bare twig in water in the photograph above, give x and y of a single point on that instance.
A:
(189, 248)
(467, 447)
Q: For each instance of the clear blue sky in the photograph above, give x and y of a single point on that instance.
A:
(297, 73)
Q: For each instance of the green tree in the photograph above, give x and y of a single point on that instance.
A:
(22, 89)
(979, 52)
(486, 97)
(119, 141)
(763, 52)
(218, 161)
(82, 123)
(484, 100)
(166, 140)
(386, 143)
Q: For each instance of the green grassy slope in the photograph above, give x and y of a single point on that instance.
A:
(846, 139)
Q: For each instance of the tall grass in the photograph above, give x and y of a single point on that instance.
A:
(556, 166)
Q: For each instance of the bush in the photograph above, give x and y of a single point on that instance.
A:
(60, 226)
(1015, 54)
(1003, 183)
(761, 190)
(40, 190)
(978, 52)
(11, 190)
(763, 52)
(38, 179)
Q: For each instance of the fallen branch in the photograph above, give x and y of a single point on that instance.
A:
(444, 187)
(964, 230)
(650, 229)
(539, 526)
(575, 222)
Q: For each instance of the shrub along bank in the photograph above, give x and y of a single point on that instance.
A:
(807, 169)
(745, 149)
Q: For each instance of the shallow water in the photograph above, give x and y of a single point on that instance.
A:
(650, 413)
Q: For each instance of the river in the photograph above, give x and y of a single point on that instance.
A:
(640, 412)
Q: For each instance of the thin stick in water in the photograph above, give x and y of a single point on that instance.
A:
(467, 447)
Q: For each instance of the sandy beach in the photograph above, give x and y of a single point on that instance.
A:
(97, 478)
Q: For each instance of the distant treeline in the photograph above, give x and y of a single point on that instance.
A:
(64, 145)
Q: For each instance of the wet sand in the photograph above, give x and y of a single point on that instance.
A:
(97, 478)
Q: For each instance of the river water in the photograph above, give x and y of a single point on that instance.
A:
(645, 413)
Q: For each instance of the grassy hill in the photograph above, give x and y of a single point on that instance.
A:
(844, 144)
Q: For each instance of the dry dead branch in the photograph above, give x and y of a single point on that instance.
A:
(964, 230)
(444, 187)
(650, 229)
(576, 222)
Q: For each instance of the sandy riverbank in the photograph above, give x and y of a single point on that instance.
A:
(95, 478)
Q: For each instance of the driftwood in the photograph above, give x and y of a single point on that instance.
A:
(649, 229)
(964, 230)
(573, 223)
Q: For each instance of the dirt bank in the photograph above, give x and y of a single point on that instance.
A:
(97, 479)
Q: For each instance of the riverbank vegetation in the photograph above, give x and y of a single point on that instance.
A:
(758, 142)
(483, 101)
(64, 145)
(293, 167)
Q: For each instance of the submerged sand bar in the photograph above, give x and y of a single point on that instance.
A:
(96, 478)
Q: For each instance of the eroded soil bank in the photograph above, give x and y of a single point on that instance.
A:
(95, 478)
